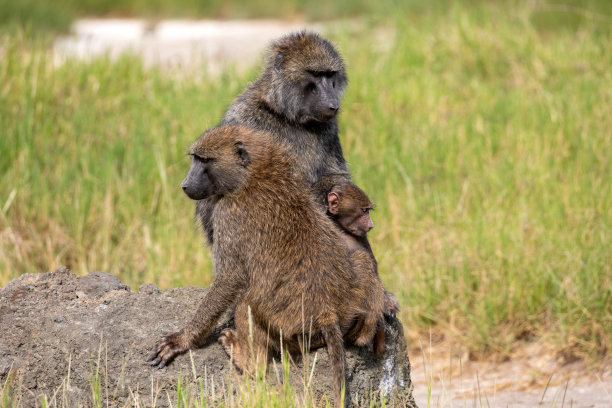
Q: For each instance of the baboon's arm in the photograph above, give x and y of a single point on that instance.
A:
(226, 287)
(224, 291)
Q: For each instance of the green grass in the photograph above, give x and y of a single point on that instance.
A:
(57, 15)
(483, 134)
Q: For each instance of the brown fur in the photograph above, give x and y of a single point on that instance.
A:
(275, 103)
(276, 253)
(350, 207)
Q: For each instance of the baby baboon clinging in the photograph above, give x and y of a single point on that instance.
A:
(296, 100)
(350, 207)
(274, 253)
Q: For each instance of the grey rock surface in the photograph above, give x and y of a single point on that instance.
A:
(59, 332)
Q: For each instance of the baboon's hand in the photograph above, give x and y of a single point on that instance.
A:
(167, 348)
(391, 304)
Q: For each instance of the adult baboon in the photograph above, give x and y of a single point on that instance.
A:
(296, 100)
(274, 253)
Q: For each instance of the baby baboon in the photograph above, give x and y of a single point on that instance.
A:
(350, 207)
(275, 254)
(296, 99)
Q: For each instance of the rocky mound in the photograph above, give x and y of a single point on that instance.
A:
(63, 335)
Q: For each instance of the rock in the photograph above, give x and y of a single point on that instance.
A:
(60, 334)
(149, 288)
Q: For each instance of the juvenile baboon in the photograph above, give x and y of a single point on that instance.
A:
(296, 99)
(350, 207)
(274, 253)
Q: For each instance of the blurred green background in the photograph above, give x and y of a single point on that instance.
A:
(482, 131)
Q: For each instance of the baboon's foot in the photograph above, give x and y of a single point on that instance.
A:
(391, 304)
(230, 341)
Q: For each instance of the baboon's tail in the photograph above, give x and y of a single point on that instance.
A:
(379, 337)
(335, 349)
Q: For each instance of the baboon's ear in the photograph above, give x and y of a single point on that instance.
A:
(278, 62)
(332, 203)
(242, 153)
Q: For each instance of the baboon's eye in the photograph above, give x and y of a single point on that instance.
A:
(202, 159)
(311, 87)
(365, 210)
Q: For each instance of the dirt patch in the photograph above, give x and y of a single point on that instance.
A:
(533, 376)
(59, 331)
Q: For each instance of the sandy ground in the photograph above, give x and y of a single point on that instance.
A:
(533, 377)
